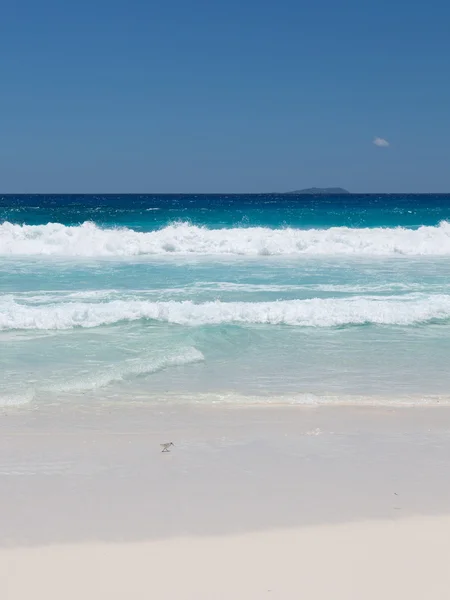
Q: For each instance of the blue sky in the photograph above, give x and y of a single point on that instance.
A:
(205, 96)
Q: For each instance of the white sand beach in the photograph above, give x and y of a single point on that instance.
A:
(407, 558)
(276, 502)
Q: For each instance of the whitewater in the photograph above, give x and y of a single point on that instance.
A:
(314, 312)
(89, 240)
(224, 299)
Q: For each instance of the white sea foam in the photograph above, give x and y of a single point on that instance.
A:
(316, 312)
(310, 287)
(128, 369)
(55, 296)
(304, 399)
(192, 290)
(88, 240)
(11, 400)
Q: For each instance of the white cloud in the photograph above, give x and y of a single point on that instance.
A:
(381, 142)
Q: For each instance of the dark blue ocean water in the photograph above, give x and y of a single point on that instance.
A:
(149, 212)
(228, 298)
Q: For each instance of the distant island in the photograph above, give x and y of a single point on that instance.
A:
(324, 191)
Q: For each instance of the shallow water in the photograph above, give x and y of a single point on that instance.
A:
(226, 298)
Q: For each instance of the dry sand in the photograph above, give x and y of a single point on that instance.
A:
(251, 503)
(369, 560)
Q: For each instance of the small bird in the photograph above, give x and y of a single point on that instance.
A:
(165, 447)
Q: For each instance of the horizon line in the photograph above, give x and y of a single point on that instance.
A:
(347, 193)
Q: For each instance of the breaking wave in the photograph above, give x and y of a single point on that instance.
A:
(315, 312)
(128, 369)
(13, 400)
(89, 240)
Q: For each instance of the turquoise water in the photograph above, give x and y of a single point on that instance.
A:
(224, 298)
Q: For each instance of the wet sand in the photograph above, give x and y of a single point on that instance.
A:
(322, 502)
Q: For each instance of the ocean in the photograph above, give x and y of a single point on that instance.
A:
(224, 299)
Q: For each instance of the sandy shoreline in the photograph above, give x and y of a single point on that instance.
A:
(317, 503)
(371, 560)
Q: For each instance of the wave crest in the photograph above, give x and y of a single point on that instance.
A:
(314, 312)
(89, 240)
(128, 370)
